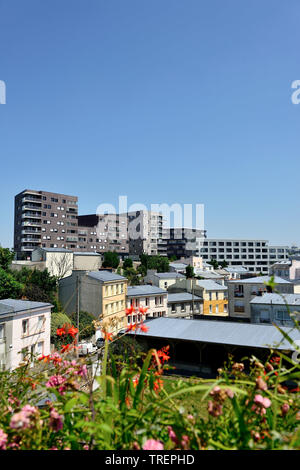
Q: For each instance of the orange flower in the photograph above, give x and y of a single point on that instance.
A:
(144, 328)
(73, 331)
(60, 331)
(130, 310)
(143, 310)
(44, 358)
(65, 348)
(131, 327)
(107, 336)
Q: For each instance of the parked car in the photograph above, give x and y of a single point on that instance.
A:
(86, 348)
(100, 342)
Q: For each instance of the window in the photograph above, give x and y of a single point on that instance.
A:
(183, 307)
(2, 332)
(40, 348)
(41, 321)
(217, 308)
(210, 309)
(25, 327)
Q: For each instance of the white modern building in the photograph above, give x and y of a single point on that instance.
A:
(255, 255)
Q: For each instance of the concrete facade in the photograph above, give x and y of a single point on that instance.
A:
(146, 296)
(242, 291)
(24, 330)
(101, 293)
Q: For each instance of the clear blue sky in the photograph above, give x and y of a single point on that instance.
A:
(162, 101)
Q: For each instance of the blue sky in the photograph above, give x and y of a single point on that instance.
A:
(163, 101)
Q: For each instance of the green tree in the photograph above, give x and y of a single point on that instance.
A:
(9, 286)
(214, 263)
(133, 276)
(224, 264)
(128, 263)
(111, 260)
(86, 325)
(6, 257)
(189, 272)
(159, 263)
(39, 286)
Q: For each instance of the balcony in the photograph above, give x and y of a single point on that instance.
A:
(238, 294)
(34, 223)
(31, 206)
(32, 198)
(29, 215)
(28, 247)
(30, 231)
(31, 239)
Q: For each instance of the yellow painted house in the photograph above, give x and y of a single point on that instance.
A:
(214, 296)
(101, 293)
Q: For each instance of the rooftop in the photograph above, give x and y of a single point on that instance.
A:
(276, 299)
(183, 297)
(260, 280)
(169, 275)
(208, 284)
(218, 332)
(14, 306)
(105, 276)
(136, 291)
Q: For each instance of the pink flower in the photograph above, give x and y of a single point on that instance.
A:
(56, 420)
(230, 393)
(3, 440)
(185, 441)
(214, 408)
(172, 435)
(284, 409)
(152, 444)
(30, 410)
(20, 420)
(261, 384)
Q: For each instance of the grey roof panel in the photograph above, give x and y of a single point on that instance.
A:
(218, 332)
(135, 291)
(260, 280)
(14, 305)
(276, 299)
(208, 284)
(182, 297)
(105, 276)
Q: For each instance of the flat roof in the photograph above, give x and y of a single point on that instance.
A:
(219, 332)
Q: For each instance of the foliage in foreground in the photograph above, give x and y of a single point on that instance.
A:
(131, 409)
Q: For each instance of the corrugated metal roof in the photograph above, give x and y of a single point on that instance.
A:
(136, 291)
(218, 332)
(105, 276)
(260, 280)
(289, 299)
(182, 297)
